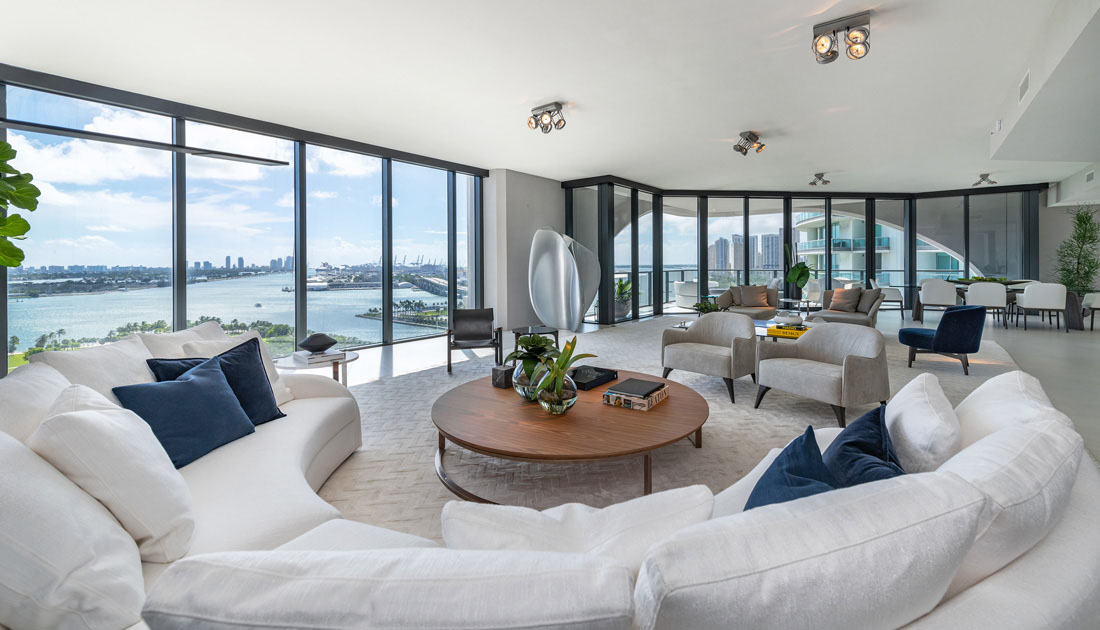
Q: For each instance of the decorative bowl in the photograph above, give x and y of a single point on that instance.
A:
(787, 318)
(317, 342)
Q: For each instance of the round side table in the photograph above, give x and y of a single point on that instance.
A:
(339, 366)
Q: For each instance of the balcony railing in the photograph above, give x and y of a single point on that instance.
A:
(844, 244)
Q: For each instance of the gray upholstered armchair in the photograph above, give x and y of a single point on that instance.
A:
(718, 344)
(473, 328)
(841, 364)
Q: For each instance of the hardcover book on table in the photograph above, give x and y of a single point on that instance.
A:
(635, 387)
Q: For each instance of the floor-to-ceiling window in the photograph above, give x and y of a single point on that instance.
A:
(344, 224)
(940, 238)
(808, 234)
(647, 286)
(586, 231)
(623, 231)
(890, 242)
(726, 233)
(995, 221)
(465, 242)
(420, 274)
(240, 231)
(680, 228)
(99, 252)
(765, 244)
(848, 231)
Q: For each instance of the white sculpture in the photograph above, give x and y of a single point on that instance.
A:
(563, 279)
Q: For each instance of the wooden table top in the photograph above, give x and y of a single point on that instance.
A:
(498, 422)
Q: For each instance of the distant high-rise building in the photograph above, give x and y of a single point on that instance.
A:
(289, 264)
(206, 264)
(240, 262)
(76, 268)
(718, 254)
(737, 251)
(197, 265)
(771, 251)
(754, 255)
(227, 262)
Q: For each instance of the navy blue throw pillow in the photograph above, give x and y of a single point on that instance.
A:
(863, 451)
(192, 415)
(244, 369)
(797, 472)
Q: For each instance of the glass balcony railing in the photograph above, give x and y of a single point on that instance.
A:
(844, 244)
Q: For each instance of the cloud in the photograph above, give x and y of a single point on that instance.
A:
(286, 201)
(377, 201)
(342, 163)
(108, 228)
(324, 194)
(88, 241)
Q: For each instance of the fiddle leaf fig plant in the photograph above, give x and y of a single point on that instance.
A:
(529, 352)
(16, 190)
(798, 273)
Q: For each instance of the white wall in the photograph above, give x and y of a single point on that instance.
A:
(1054, 227)
(515, 205)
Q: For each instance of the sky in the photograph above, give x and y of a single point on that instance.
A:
(110, 204)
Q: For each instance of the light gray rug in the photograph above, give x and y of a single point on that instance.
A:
(391, 481)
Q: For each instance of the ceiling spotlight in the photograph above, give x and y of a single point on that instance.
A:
(984, 179)
(819, 178)
(546, 117)
(856, 29)
(749, 140)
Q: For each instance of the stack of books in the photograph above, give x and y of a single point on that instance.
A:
(305, 357)
(786, 330)
(636, 394)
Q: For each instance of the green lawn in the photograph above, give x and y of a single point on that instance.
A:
(15, 360)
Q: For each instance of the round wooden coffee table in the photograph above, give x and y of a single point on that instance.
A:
(498, 423)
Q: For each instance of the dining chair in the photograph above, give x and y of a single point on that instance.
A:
(1091, 301)
(891, 294)
(937, 292)
(1045, 297)
(992, 295)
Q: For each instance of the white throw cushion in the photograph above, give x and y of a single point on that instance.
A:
(732, 500)
(170, 345)
(102, 367)
(922, 425)
(623, 531)
(1004, 401)
(64, 560)
(112, 454)
(27, 394)
(883, 551)
(391, 589)
(344, 535)
(211, 348)
(1028, 472)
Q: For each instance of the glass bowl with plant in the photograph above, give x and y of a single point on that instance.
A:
(624, 291)
(556, 391)
(530, 349)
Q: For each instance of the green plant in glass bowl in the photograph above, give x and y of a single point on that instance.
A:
(556, 391)
(528, 355)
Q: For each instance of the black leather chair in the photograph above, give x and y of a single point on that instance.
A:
(473, 328)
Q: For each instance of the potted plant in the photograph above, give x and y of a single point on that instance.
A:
(16, 190)
(528, 355)
(1079, 255)
(798, 273)
(556, 391)
(704, 307)
(624, 291)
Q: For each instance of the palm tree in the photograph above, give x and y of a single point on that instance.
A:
(13, 344)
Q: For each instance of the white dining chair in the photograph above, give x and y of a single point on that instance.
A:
(812, 292)
(890, 294)
(936, 292)
(992, 295)
(1048, 297)
(1091, 301)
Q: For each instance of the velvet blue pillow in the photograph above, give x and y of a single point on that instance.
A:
(863, 451)
(797, 472)
(244, 369)
(192, 415)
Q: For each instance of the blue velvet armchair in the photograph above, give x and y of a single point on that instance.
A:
(959, 334)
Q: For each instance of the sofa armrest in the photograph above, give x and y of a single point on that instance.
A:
(766, 351)
(670, 336)
(743, 356)
(314, 386)
(865, 380)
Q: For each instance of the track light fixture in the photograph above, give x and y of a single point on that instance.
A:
(749, 140)
(984, 179)
(546, 117)
(856, 30)
(819, 178)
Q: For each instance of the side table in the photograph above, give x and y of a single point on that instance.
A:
(339, 366)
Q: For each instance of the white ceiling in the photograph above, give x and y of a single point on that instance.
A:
(656, 90)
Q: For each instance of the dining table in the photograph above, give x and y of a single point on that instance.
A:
(1073, 317)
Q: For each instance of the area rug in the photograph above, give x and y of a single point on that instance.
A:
(391, 481)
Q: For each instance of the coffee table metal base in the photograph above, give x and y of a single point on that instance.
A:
(466, 495)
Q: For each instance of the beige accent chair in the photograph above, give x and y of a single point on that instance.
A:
(841, 364)
(718, 344)
(866, 314)
(730, 301)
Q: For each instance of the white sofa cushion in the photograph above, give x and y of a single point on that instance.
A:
(732, 500)
(922, 425)
(1028, 472)
(623, 531)
(832, 560)
(113, 455)
(214, 347)
(170, 345)
(392, 589)
(1004, 401)
(102, 367)
(344, 535)
(64, 560)
(28, 393)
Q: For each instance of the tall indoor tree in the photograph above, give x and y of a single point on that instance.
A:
(16, 190)
(1079, 255)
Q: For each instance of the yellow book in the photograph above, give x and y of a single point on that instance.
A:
(787, 334)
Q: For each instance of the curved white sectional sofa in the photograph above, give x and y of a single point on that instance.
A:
(258, 493)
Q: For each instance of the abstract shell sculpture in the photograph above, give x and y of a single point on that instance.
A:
(563, 279)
